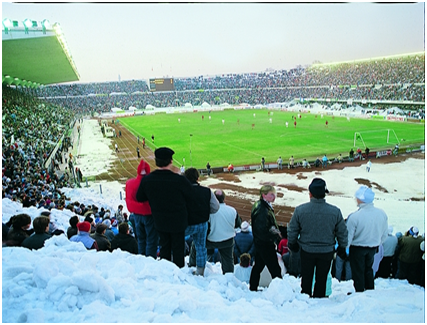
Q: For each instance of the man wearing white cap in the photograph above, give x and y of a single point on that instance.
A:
(410, 256)
(367, 229)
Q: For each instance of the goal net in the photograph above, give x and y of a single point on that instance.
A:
(375, 138)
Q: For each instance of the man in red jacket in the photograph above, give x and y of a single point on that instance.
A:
(146, 234)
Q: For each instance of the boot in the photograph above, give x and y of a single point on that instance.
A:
(200, 271)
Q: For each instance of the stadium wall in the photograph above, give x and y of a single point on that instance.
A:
(372, 154)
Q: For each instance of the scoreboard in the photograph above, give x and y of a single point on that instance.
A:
(162, 84)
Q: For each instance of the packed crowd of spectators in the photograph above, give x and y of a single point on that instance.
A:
(84, 89)
(400, 70)
(251, 96)
(102, 226)
(382, 71)
(31, 130)
(400, 256)
(397, 79)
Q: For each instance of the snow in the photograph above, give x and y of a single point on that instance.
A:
(65, 283)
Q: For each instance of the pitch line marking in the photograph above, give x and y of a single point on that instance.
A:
(230, 145)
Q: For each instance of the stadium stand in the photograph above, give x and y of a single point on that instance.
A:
(390, 79)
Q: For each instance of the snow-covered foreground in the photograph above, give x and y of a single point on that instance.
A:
(63, 282)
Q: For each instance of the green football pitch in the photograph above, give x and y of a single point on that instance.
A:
(243, 137)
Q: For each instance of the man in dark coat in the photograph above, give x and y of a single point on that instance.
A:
(410, 256)
(100, 238)
(124, 241)
(203, 205)
(169, 194)
(36, 240)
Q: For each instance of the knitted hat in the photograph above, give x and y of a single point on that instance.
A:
(83, 226)
(365, 194)
(413, 231)
(318, 187)
(244, 226)
(107, 222)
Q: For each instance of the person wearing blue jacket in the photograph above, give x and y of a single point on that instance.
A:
(244, 242)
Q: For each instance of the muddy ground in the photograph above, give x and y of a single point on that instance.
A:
(125, 167)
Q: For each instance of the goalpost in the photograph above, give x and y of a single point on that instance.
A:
(391, 136)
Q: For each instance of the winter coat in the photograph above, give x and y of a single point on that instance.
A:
(169, 195)
(282, 248)
(16, 237)
(222, 223)
(204, 203)
(262, 219)
(102, 241)
(367, 227)
(410, 251)
(132, 185)
(71, 232)
(244, 243)
(109, 233)
(318, 224)
(83, 237)
(125, 242)
(35, 241)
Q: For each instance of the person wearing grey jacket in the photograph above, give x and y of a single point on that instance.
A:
(315, 226)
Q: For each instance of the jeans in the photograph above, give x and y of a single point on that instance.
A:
(341, 264)
(132, 227)
(146, 234)
(198, 232)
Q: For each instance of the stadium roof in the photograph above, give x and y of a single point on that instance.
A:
(35, 54)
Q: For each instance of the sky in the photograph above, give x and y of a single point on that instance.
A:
(142, 41)
(63, 282)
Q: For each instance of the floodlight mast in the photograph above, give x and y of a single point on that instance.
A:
(27, 24)
(45, 25)
(6, 24)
